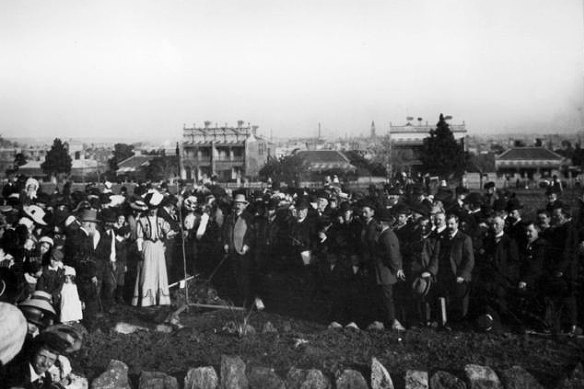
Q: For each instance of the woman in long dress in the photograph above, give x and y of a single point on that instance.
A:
(152, 280)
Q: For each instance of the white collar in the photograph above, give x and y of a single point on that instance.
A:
(33, 375)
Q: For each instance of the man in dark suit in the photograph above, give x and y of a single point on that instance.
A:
(238, 240)
(369, 232)
(515, 226)
(499, 271)
(387, 267)
(455, 265)
(80, 253)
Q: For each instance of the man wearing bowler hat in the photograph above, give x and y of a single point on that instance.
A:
(238, 239)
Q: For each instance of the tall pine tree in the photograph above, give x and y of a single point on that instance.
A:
(441, 154)
(58, 161)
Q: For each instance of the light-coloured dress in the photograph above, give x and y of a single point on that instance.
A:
(70, 303)
(152, 279)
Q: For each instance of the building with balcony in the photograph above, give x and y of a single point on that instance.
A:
(230, 153)
(407, 140)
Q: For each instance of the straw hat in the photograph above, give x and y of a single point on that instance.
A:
(36, 213)
(13, 330)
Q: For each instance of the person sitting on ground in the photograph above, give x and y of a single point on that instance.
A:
(30, 368)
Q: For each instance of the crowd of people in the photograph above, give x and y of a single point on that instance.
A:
(416, 258)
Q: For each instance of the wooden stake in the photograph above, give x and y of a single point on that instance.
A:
(443, 316)
(230, 307)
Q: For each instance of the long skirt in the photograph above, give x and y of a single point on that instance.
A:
(152, 280)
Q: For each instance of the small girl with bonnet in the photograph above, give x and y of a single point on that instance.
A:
(71, 309)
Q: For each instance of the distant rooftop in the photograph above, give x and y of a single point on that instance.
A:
(325, 159)
(218, 134)
(134, 163)
(425, 129)
(529, 153)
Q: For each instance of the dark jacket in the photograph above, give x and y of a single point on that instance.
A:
(461, 255)
(532, 260)
(387, 258)
(228, 231)
(367, 241)
(501, 261)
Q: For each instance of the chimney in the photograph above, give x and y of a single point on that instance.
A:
(207, 124)
(240, 123)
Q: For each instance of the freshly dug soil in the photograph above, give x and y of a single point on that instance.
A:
(304, 341)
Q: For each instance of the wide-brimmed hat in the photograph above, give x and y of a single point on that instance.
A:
(138, 205)
(88, 215)
(36, 213)
(72, 338)
(240, 198)
(38, 307)
(26, 221)
(153, 199)
(421, 286)
(13, 330)
(47, 240)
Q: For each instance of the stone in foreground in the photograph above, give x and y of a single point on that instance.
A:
(380, 378)
(202, 378)
(233, 373)
(307, 379)
(445, 380)
(416, 379)
(517, 377)
(351, 379)
(157, 380)
(115, 377)
(482, 377)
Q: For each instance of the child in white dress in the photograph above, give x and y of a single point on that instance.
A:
(71, 309)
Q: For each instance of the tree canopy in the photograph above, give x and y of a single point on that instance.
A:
(122, 151)
(441, 154)
(58, 161)
(287, 169)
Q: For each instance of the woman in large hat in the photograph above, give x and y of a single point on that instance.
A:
(152, 279)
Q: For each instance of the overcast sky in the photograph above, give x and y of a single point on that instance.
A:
(144, 68)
